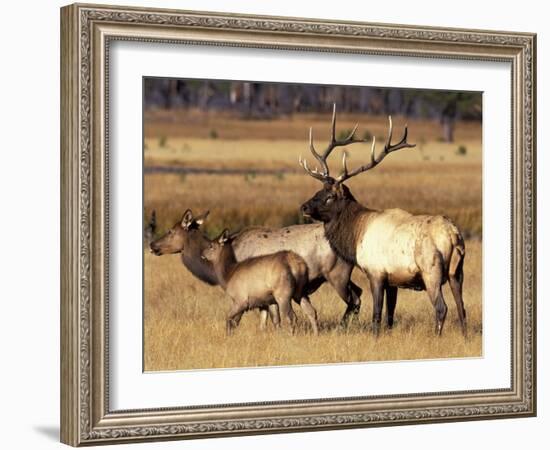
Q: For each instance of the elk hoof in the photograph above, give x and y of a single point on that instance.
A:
(229, 328)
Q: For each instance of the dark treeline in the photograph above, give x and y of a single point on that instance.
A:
(270, 100)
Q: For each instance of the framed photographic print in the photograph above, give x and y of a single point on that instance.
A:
(277, 225)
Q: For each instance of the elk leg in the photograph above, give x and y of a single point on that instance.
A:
(310, 313)
(287, 314)
(349, 292)
(440, 311)
(377, 290)
(455, 281)
(432, 275)
(274, 313)
(391, 301)
(436, 297)
(263, 318)
(354, 300)
(234, 317)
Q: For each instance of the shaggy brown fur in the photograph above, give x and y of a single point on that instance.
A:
(342, 231)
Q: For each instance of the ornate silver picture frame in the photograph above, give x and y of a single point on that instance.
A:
(87, 32)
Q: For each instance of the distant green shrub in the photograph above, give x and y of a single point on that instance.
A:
(343, 134)
(461, 150)
(367, 135)
(250, 176)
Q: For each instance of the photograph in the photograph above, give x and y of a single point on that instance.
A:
(295, 224)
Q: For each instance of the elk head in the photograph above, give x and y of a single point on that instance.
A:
(213, 251)
(177, 238)
(335, 196)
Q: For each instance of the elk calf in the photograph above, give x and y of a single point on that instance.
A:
(260, 281)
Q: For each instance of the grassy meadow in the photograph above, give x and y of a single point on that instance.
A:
(184, 319)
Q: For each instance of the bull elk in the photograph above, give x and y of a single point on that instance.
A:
(260, 281)
(308, 241)
(394, 248)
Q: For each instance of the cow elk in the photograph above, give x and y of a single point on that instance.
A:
(260, 281)
(394, 248)
(308, 241)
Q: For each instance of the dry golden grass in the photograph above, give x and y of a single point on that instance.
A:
(184, 319)
(283, 154)
(236, 201)
(185, 325)
(228, 125)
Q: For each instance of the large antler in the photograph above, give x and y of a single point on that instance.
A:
(323, 175)
(374, 160)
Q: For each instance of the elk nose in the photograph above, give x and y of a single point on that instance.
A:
(304, 209)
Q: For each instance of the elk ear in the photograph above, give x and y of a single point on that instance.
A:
(224, 237)
(199, 220)
(187, 219)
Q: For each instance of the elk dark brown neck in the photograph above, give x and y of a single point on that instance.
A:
(192, 260)
(341, 231)
(203, 270)
(225, 264)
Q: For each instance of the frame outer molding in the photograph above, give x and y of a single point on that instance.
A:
(70, 242)
(85, 34)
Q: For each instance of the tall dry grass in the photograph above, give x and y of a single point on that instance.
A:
(184, 324)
